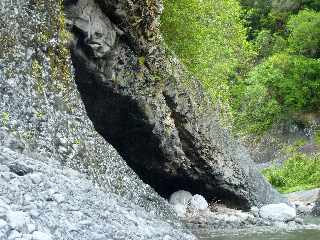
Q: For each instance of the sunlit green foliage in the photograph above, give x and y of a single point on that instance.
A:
(300, 172)
(209, 38)
(266, 78)
(282, 85)
(273, 14)
(286, 79)
(304, 35)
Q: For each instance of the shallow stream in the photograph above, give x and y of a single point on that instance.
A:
(311, 231)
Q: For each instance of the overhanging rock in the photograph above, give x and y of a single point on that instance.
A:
(145, 104)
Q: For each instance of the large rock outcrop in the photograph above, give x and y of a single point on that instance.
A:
(143, 102)
(44, 130)
(41, 112)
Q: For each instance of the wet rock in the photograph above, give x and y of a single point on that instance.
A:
(304, 201)
(302, 208)
(20, 169)
(299, 220)
(316, 208)
(278, 212)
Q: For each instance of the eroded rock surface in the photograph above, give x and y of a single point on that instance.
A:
(304, 201)
(151, 110)
(41, 112)
(316, 208)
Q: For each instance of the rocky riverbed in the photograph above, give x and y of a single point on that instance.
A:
(292, 221)
(197, 213)
(41, 200)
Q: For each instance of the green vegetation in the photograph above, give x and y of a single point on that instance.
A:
(317, 137)
(257, 59)
(286, 77)
(304, 38)
(279, 87)
(209, 38)
(5, 118)
(300, 172)
(55, 37)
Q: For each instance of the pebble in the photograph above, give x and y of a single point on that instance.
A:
(69, 206)
(41, 236)
(36, 178)
(3, 224)
(17, 219)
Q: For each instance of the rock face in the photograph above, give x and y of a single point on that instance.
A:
(278, 212)
(316, 208)
(41, 112)
(305, 201)
(55, 202)
(44, 130)
(143, 102)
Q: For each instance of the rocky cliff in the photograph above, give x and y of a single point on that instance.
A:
(41, 112)
(44, 130)
(138, 97)
(144, 103)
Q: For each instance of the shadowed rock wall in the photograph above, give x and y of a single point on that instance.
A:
(143, 102)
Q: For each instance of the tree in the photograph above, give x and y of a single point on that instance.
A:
(210, 39)
(282, 85)
(304, 35)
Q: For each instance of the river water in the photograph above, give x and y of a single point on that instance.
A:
(311, 231)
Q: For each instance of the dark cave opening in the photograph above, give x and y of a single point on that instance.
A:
(121, 121)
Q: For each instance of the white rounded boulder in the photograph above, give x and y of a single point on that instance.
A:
(181, 210)
(198, 202)
(180, 197)
(278, 212)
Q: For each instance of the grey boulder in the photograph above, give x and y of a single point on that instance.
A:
(278, 212)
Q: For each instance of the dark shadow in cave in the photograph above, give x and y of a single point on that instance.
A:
(122, 123)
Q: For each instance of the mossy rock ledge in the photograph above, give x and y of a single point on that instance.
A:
(143, 102)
